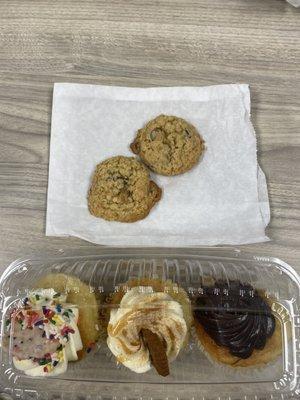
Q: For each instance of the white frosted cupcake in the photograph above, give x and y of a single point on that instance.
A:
(44, 333)
(148, 324)
(56, 323)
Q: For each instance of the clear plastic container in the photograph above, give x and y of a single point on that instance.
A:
(193, 374)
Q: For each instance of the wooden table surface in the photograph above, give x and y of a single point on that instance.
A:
(144, 43)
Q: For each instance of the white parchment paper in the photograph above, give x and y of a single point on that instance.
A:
(295, 3)
(223, 200)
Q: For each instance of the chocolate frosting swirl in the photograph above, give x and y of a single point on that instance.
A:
(235, 316)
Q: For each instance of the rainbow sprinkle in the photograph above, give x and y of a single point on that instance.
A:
(50, 316)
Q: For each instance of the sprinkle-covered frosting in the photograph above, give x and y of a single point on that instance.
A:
(43, 333)
(234, 315)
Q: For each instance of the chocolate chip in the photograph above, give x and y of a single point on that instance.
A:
(187, 133)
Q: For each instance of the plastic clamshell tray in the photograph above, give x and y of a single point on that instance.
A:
(193, 375)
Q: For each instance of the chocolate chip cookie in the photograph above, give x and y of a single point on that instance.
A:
(168, 145)
(122, 191)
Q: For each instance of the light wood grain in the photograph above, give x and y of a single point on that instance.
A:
(144, 43)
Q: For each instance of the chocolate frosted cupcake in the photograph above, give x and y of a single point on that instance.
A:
(234, 325)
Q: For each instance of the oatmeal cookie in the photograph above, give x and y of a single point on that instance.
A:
(168, 145)
(121, 190)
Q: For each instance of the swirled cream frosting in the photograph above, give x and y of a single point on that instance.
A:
(142, 308)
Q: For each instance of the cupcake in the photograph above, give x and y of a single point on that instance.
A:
(43, 333)
(87, 302)
(148, 324)
(234, 325)
(54, 324)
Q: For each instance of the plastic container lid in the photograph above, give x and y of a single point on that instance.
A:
(206, 275)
